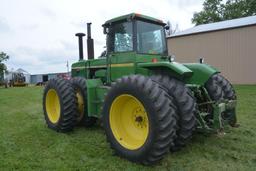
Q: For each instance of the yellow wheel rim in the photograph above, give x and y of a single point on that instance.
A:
(52, 105)
(129, 121)
(80, 103)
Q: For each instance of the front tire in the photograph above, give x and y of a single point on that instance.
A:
(59, 105)
(139, 120)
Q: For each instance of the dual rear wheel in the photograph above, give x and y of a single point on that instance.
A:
(65, 104)
(59, 105)
(186, 108)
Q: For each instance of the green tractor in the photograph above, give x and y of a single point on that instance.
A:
(148, 103)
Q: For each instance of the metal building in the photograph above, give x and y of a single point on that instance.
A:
(229, 45)
(40, 78)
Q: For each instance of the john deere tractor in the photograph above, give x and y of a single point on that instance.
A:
(148, 103)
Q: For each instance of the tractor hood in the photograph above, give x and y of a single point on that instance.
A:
(194, 73)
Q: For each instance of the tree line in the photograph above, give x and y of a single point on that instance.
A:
(219, 10)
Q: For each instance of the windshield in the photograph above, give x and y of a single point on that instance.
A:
(150, 38)
(120, 37)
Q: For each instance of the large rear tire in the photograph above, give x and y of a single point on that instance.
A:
(138, 118)
(59, 105)
(214, 89)
(227, 88)
(79, 85)
(186, 108)
(220, 88)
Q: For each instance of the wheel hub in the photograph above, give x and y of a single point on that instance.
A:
(139, 118)
(129, 121)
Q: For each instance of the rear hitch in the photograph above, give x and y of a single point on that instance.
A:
(224, 114)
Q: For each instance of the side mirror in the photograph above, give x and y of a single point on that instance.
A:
(166, 27)
(201, 60)
(171, 58)
(105, 30)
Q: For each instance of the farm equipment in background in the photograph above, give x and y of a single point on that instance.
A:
(65, 76)
(148, 103)
(17, 80)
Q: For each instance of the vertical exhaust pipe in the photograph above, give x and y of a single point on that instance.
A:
(90, 44)
(80, 45)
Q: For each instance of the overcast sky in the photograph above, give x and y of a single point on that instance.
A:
(39, 36)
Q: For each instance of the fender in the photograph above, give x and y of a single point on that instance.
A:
(201, 73)
(173, 67)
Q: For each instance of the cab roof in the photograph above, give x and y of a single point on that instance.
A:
(134, 16)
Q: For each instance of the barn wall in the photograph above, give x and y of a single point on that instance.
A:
(36, 78)
(232, 51)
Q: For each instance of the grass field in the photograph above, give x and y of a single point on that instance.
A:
(27, 144)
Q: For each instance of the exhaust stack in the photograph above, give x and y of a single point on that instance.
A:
(80, 45)
(90, 44)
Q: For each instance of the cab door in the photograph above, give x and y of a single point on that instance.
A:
(121, 51)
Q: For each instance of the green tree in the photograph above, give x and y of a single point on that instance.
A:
(239, 8)
(3, 68)
(218, 10)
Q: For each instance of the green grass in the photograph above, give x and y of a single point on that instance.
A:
(27, 144)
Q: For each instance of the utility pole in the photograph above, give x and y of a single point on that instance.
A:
(67, 68)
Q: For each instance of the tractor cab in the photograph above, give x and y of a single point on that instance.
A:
(135, 33)
(131, 40)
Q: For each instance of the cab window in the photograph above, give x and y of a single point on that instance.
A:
(150, 38)
(120, 37)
